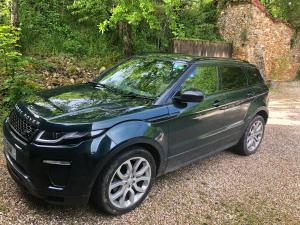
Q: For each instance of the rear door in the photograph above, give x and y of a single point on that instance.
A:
(238, 99)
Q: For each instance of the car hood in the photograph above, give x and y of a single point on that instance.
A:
(87, 104)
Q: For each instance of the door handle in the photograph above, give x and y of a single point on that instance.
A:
(216, 103)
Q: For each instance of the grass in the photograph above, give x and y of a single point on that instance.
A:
(255, 211)
(3, 209)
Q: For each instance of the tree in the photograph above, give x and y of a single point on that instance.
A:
(14, 16)
(125, 15)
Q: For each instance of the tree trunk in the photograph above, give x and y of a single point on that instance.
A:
(125, 34)
(14, 17)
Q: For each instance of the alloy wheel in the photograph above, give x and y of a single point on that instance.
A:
(255, 135)
(129, 182)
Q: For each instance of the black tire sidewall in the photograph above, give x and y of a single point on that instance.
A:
(100, 196)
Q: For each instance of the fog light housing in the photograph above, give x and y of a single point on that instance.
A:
(58, 172)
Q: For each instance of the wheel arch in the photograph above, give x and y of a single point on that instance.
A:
(150, 145)
(264, 114)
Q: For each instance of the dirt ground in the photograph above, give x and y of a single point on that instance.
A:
(224, 189)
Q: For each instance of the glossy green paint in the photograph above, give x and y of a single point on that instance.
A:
(175, 133)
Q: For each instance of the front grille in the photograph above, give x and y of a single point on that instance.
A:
(22, 127)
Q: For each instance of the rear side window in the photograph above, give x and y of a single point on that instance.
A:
(203, 78)
(254, 76)
(233, 77)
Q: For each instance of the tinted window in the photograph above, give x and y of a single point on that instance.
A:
(203, 78)
(232, 77)
(254, 76)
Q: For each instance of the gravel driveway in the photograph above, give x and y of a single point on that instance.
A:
(224, 189)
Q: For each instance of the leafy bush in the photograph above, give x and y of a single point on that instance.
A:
(73, 47)
(10, 58)
(14, 83)
(17, 87)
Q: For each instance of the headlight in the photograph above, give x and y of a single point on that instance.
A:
(57, 137)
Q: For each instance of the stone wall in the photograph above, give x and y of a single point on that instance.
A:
(261, 39)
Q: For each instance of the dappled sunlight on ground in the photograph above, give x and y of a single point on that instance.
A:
(284, 112)
(285, 107)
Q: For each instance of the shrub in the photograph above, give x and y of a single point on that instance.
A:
(16, 87)
(14, 83)
(10, 58)
(73, 47)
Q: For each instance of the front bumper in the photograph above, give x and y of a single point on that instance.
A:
(49, 196)
(67, 184)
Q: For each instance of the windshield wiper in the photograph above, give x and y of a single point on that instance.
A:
(93, 82)
(97, 85)
(134, 95)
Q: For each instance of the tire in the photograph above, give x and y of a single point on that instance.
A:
(242, 148)
(117, 173)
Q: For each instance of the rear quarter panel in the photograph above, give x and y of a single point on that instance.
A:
(259, 102)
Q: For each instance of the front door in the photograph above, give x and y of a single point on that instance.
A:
(196, 129)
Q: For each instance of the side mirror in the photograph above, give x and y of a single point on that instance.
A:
(189, 96)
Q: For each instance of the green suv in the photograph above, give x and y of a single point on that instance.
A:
(107, 140)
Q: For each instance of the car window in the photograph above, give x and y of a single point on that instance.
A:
(143, 76)
(233, 77)
(203, 78)
(254, 76)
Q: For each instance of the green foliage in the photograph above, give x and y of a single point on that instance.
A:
(42, 23)
(60, 28)
(294, 39)
(281, 65)
(134, 13)
(14, 83)
(244, 36)
(73, 46)
(10, 58)
(153, 23)
(199, 19)
(288, 10)
(17, 87)
(4, 12)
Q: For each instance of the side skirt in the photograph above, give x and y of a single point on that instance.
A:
(177, 162)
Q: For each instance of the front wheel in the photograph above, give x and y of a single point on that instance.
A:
(252, 137)
(126, 182)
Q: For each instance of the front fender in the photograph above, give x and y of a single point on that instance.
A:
(126, 134)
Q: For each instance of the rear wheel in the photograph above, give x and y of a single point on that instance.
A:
(126, 182)
(252, 137)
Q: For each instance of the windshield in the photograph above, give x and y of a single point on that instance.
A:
(147, 77)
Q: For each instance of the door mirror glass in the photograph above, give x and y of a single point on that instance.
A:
(189, 96)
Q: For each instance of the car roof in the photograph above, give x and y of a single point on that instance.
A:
(194, 59)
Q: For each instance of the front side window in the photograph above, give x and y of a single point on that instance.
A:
(144, 76)
(232, 78)
(204, 79)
